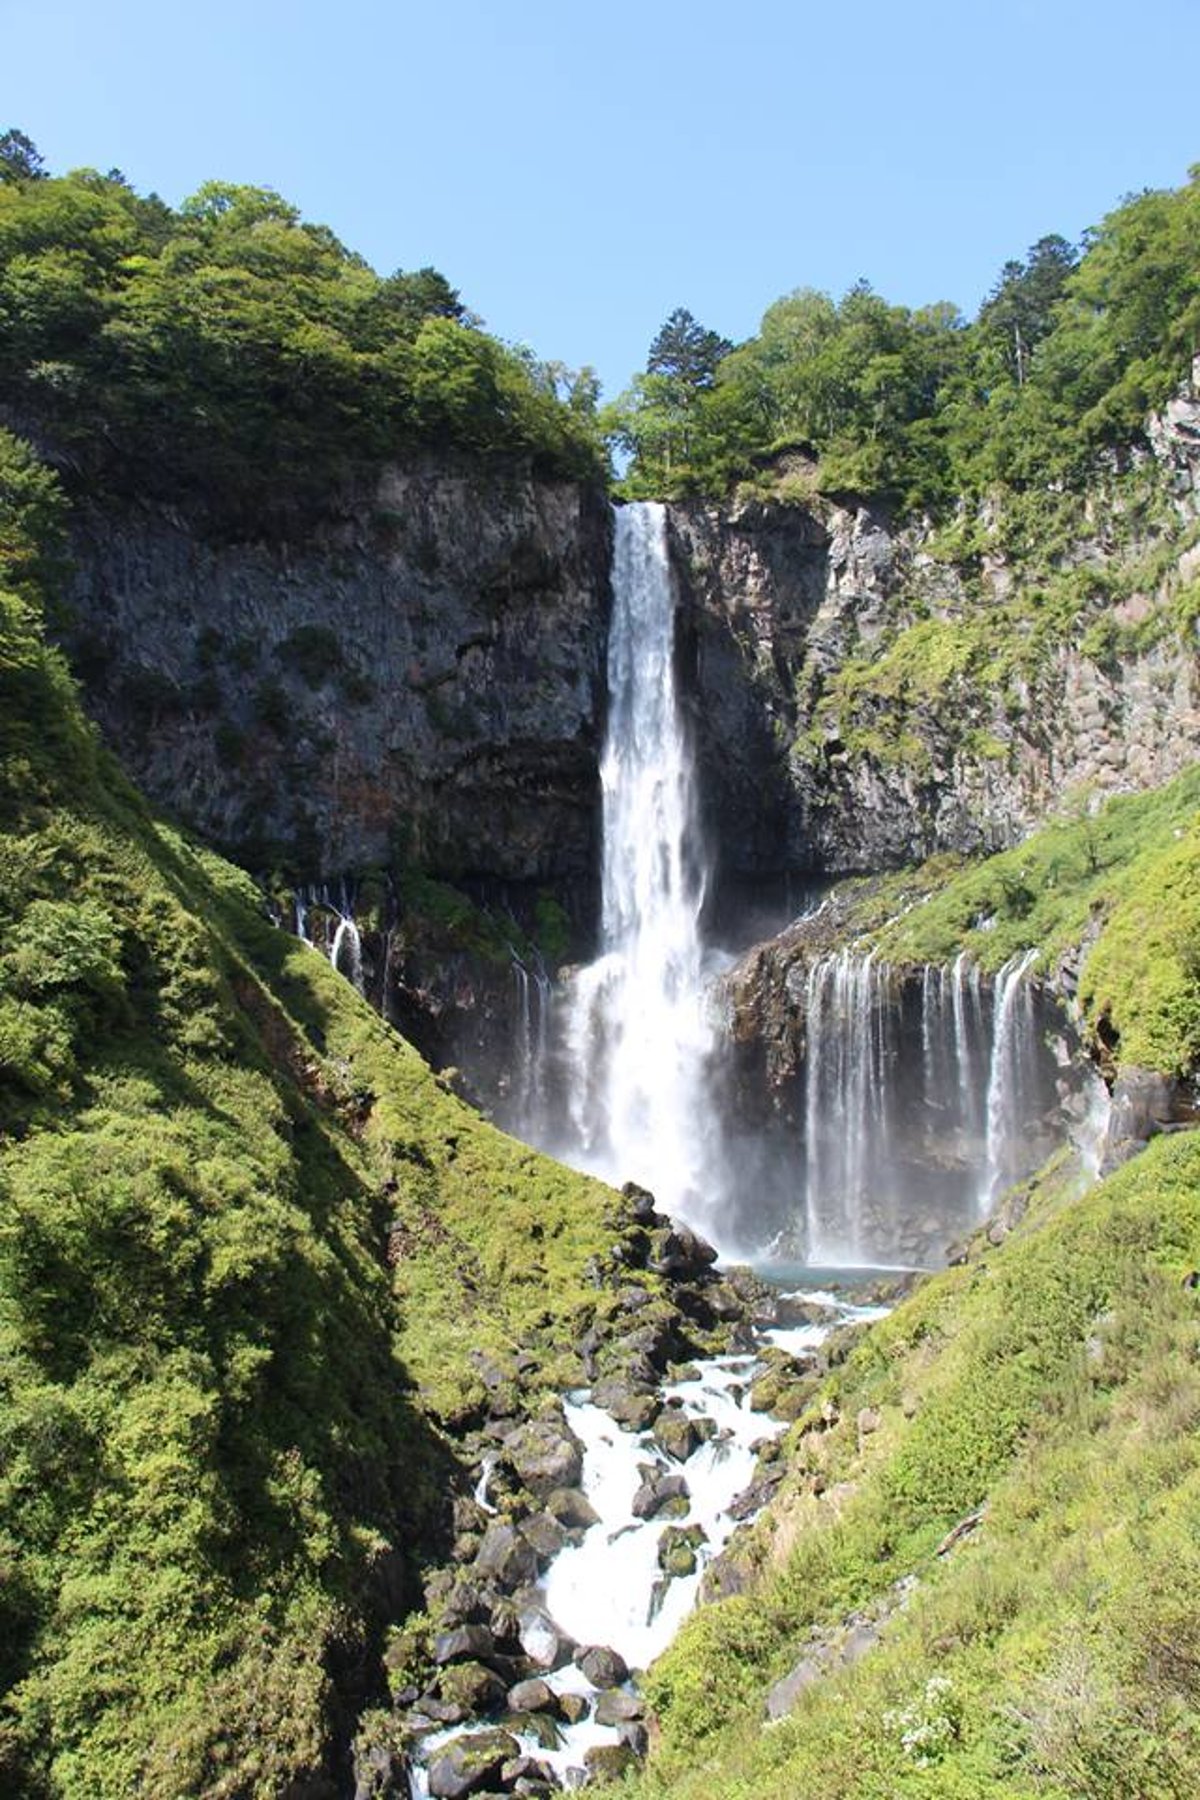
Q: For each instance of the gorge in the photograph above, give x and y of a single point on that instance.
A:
(597, 1171)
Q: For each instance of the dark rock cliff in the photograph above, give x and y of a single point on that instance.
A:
(421, 676)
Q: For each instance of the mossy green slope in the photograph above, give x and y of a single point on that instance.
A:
(1053, 1651)
(247, 1245)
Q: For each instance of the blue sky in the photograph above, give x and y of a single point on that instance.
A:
(579, 171)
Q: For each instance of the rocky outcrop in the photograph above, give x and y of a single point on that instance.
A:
(799, 774)
(1144, 1104)
(422, 674)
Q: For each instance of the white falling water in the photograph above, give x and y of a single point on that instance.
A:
(955, 1055)
(847, 1019)
(636, 1037)
(345, 952)
(968, 1031)
(1009, 1078)
(914, 1124)
(531, 1018)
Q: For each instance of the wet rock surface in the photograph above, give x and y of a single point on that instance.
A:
(544, 1454)
(1145, 1104)
(603, 1667)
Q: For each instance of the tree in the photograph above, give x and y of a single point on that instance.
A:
(20, 159)
(685, 352)
(1020, 308)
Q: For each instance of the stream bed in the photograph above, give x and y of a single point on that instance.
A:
(667, 1500)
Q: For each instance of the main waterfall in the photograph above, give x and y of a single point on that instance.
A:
(636, 1041)
(923, 1093)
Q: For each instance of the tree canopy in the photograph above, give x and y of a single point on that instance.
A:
(1067, 354)
(232, 350)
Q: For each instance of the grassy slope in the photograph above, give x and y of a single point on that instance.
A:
(1057, 1381)
(247, 1244)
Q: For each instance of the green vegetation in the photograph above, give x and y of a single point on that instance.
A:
(1067, 356)
(248, 1246)
(231, 351)
(1052, 1653)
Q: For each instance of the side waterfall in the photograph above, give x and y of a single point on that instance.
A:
(881, 1122)
(1013, 1045)
(531, 1022)
(345, 952)
(636, 1039)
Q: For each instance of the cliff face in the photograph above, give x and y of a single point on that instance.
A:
(423, 674)
(846, 718)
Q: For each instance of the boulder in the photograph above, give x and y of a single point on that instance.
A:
(546, 1535)
(603, 1667)
(541, 1639)
(608, 1762)
(533, 1695)
(676, 1433)
(574, 1707)
(462, 1642)
(471, 1763)
(430, 1709)
(641, 1204)
(616, 1706)
(473, 1686)
(793, 1311)
(677, 1549)
(676, 1250)
(526, 1775)
(544, 1454)
(572, 1508)
(660, 1494)
(506, 1555)
(632, 1405)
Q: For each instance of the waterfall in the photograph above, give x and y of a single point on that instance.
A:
(345, 952)
(923, 1098)
(531, 1018)
(850, 1047)
(968, 1033)
(636, 1038)
(1009, 1076)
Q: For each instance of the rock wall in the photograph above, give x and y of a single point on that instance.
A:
(776, 597)
(422, 675)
